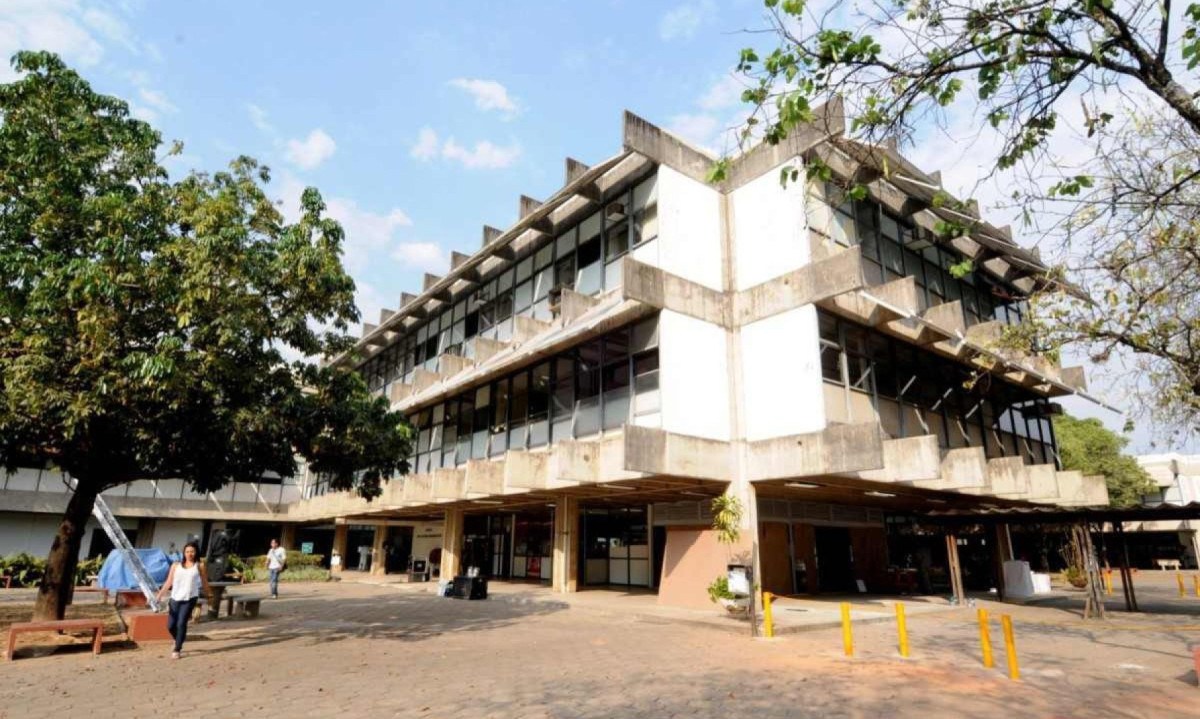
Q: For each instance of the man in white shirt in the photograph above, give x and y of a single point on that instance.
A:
(276, 561)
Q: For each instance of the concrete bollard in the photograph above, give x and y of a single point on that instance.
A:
(847, 637)
(985, 639)
(1196, 582)
(768, 621)
(902, 629)
(1010, 648)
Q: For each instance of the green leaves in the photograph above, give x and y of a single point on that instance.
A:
(145, 323)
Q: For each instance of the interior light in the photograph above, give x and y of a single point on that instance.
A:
(802, 485)
(879, 494)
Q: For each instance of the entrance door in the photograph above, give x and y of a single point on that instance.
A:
(835, 559)
(397, 549)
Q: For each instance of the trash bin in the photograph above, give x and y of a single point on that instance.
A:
(469, 588)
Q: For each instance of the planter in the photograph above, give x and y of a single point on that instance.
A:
(735, 606)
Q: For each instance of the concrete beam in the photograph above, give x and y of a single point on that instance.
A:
(576, 461)
(574, 170)
(962, 468)
(484, 478)
(908, 459)
(400, 391)
(656, 451)
(449, 484)
(1008, 475)
(526, 206)
(828, 120)
(418, 488)
(901, 293)
(450, 365)
(423, 379)
(816, 281)
(648, 139)
(1074, 377)
(526, 328)
(657, 288)
(429, 280)
(490, 234)
(834, 450)
(573, 305)
(486, 348)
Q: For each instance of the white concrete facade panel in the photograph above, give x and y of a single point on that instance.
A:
(782, 375)
(689, 235)
(770, 228)
(694, 378)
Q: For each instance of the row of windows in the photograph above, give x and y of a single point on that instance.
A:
(600, 384)
(915, 392)
(892, 248)
(585, 258)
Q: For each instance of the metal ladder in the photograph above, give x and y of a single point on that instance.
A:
(115, 534)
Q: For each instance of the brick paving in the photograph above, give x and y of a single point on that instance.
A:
(378, 651)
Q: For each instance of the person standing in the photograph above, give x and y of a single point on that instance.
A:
(276, 562)
(184, 581)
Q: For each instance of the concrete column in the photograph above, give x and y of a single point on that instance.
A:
(565, 571)
(452, 537)
(145, 533)
(341, 536)
(378, 554)
(287, 536)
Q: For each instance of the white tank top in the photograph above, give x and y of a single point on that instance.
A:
(186, 583)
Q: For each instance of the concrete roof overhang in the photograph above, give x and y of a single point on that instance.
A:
(890, 496)
(1051, 514)
(629, 492)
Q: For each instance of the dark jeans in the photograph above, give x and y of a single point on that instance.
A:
(178, 614)
(273, 580)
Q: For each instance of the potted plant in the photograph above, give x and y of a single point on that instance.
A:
(727, 519)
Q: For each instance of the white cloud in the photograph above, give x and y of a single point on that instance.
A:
(684, 20)
(258, 116)
(724, 93)
(111, 27)
(312, 150)
(698, 129)
(157, 100)
(488, 94)
(427, 145)
(485, 155)
(54, 25)
(426, 256)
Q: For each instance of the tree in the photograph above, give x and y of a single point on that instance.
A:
(1043, 80)
(143, 322)
(1088, 446)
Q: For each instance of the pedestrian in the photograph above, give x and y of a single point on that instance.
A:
(184, 581)
(276, 563)
(364, 557)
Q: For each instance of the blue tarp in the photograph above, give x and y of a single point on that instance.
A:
(115, 573)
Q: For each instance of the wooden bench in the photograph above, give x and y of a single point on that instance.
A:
(242, 606)
(61, 625)
(1165, 564)
(102, 590)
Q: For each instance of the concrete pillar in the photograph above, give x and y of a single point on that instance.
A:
(452, 538)
(378, 554)
(565, 571)
(341, 536)
(145, 533)
(287, 536)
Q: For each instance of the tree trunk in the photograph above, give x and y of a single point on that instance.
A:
(54, 593)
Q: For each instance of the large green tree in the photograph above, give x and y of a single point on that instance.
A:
(1087, 107)
(1088, 446)
(146, 325)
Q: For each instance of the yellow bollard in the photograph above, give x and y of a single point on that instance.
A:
(985, 639)
(768, 622)
(1196, 581)
(847, 637)
(1179, 578)
(1108, 582)
(1010, 647)
(902, 628)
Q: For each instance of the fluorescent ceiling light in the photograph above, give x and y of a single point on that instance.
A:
(693, 494)
(879, 494)
(802, 485)
(486, 501)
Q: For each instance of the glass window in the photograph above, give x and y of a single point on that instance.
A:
(563, 399)
(518, 405)
(615, 378)
(523, 297)
(499, 426)
(587, 386)
(539, 405)
(589, 274)
(524, 269)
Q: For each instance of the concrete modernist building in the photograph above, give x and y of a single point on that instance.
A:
(643, 341)
(1178, 480)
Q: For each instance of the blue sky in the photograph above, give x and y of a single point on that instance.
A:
(419, 122)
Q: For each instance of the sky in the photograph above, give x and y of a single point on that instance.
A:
(420, 122)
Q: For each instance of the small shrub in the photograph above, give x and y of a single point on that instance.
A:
(25, 569)
(719, 589)
(86, 569)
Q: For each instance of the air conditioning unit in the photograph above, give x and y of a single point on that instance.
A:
(614, 211)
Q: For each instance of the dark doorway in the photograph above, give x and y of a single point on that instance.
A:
(397, 549)
(659, 540)
(101, 545)
(835, 559)
(359, 540)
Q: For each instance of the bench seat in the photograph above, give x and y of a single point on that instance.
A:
(244, 606)
(60, 625)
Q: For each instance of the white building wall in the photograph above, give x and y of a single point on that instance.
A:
(689, 231)
(176, 531)
(782, 375)
(694, 377)
(427, 536)
(769, 227)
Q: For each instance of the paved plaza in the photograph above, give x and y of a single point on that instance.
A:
(397, 650)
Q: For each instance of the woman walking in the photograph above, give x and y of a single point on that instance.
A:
(184, 582)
